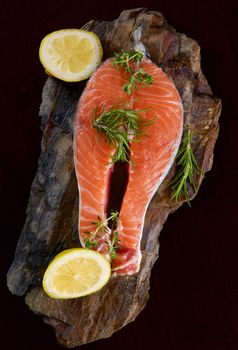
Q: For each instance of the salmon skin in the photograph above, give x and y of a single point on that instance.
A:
(152, 157)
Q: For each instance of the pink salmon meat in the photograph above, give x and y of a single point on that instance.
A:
(151, 158)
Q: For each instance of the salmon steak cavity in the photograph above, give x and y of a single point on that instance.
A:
(151, 157)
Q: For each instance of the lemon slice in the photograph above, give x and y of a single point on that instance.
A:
(75, 273)
(70, 54)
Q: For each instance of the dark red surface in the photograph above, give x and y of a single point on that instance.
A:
(193, 297)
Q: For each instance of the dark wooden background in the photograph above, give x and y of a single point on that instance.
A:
(193, 296)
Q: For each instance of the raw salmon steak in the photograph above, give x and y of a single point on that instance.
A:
(151, 157)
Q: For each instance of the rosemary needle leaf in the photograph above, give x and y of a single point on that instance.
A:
(120, 127)
(187, 165)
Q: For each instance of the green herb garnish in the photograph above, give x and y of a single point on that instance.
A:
(101, 227)
(123, 60)
(139, 76)
(113, 245)
(120, 127)
(187, 165)
(113, 218)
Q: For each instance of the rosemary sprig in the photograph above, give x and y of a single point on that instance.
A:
(188, 165)
(120, 127)
(123, 60)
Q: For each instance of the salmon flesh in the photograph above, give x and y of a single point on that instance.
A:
(151, 157)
